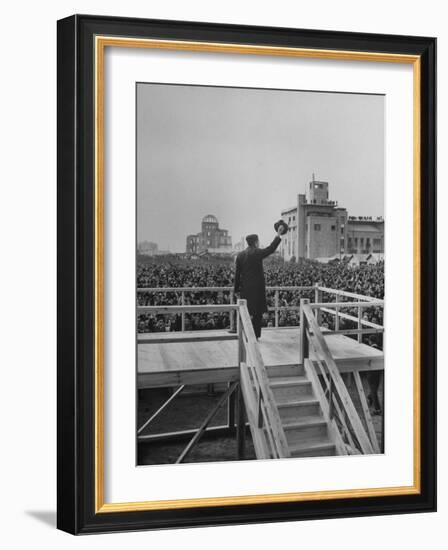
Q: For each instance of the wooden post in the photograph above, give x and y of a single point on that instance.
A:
(317, 300)
(241, 350)
(359, 323)
(240, 421)
(276, 309)
(241, 425)
(303, 348)
(182, 301)
(382, 416)
(336, 320)
(231, 409)
(232, 313)
(366, 412)
(330, 399)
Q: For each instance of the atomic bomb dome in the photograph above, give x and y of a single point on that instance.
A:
(211, 238)
(210, 219)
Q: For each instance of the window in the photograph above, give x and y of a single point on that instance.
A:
(317, 227)
(333, 228)
(293, 218)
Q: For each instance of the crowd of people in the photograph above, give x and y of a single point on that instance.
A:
(367, 280)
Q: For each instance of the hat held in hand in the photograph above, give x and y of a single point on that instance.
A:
(282, 224)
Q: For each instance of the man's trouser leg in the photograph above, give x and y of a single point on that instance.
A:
(256, 323)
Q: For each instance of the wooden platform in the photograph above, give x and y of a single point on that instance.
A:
(211, 356)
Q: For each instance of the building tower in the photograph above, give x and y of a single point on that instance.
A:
(318, 192)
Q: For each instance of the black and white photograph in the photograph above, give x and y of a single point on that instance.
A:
(260, 265)
(235, 203)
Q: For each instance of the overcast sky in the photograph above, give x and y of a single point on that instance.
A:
(244, 155)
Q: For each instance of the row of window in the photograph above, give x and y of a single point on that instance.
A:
(318, 227)
(376, 242)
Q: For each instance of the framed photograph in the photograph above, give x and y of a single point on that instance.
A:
(246, 274)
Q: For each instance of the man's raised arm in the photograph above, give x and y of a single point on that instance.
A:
(264, 252)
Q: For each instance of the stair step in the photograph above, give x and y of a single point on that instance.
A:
(285, 370)
(279, 381)
(312, 430)
(285, 380)
(304, 421)
(324, 448)
(291, 389)
(292, 410)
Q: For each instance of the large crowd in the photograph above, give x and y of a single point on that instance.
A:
(367, 280)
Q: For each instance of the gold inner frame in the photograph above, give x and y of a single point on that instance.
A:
(101, 42)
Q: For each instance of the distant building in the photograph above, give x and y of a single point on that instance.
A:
(211, 239)
(147, 248)
(354, 259)
(365, 235)
(319, 228)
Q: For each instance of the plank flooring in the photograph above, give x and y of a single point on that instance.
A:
(163, 358)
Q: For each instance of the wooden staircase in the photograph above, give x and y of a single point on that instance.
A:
(308, 431)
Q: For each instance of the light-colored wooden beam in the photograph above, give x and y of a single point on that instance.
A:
(366, 412)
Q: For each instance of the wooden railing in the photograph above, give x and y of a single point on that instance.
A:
(267, 431)
(318, 291)
(357, 302)
(337, 402)
(181, 291)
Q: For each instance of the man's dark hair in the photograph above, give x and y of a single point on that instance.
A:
(252, 239)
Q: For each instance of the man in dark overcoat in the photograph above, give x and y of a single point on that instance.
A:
(249, 277)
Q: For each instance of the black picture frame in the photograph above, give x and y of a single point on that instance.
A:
(76, 286)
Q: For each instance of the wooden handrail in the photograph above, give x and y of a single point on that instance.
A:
(203, 308)
(185, 289)
(347, 305)
(349, 294)
(267, 416)
(333, 308)
(349, 317)
(315, 338)
(214, 288)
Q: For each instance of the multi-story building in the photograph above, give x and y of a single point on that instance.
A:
(147, 248)
(319, 228)
(365, 235)
(211, 239)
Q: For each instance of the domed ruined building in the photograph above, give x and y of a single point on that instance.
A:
(211, 239)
